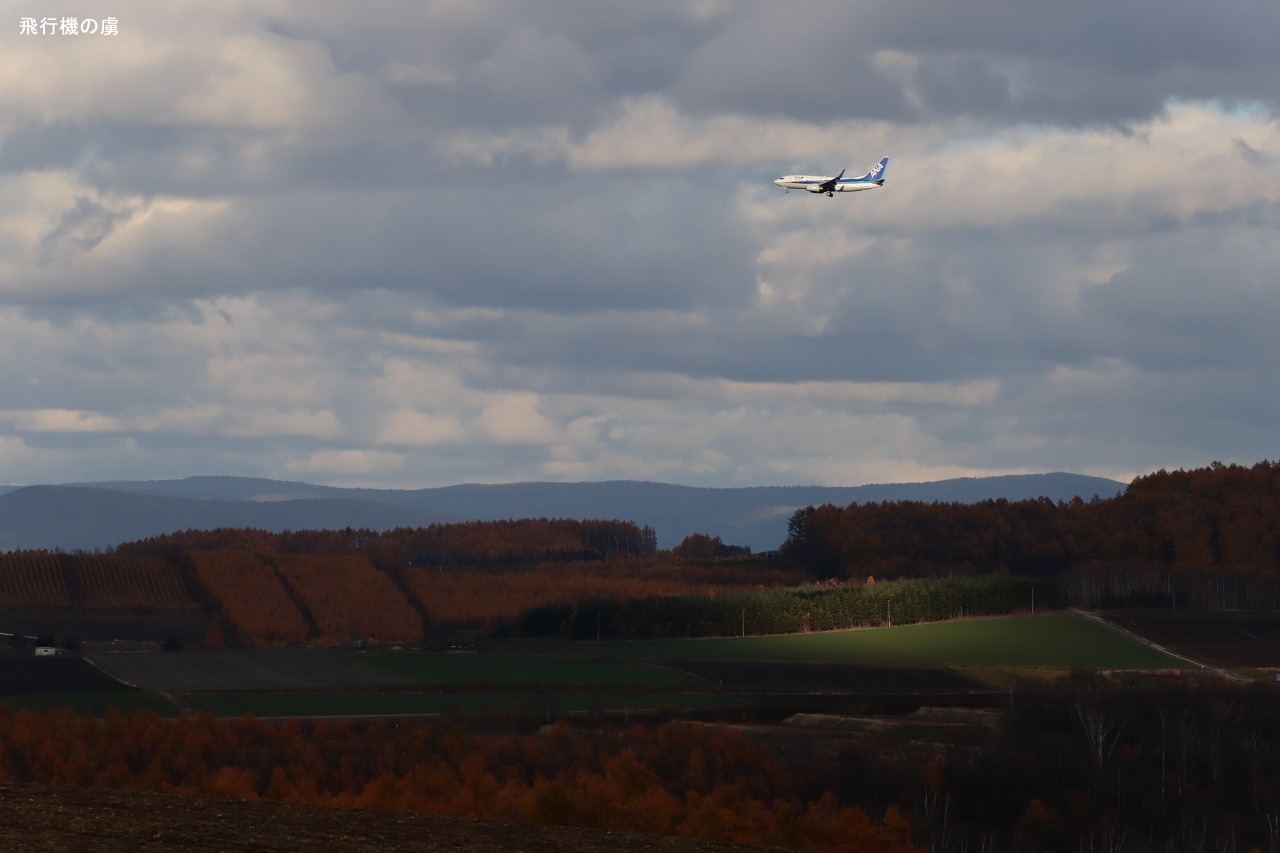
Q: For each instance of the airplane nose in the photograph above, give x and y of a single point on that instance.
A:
(778, 182)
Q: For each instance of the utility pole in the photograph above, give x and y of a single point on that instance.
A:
(888, 609)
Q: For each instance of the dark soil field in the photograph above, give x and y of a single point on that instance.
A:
(771, 677)
(38, 817)
(247, 669)
(1220, 638)
(105, 627)
(29, 675)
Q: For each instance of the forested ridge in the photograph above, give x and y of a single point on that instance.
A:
(1208, 537)
(268, 597)
(328, 587)
(514, 542)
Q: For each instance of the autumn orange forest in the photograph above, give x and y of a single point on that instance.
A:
(1204, 538)
(677, 779)
(1173, 761)
(333, 587)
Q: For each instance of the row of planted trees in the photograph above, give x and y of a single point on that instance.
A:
(1139, 585)
(95, 581)
(785, 610)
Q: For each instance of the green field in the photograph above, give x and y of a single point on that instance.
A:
(93, 703)
(1049, 641)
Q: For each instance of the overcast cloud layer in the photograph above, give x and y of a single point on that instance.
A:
(422, 243)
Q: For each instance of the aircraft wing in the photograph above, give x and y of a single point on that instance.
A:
(830, 186)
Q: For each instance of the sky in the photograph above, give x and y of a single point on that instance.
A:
(413, 244)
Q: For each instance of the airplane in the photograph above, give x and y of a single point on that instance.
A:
(838, 184)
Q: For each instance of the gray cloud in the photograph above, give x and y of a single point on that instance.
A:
(418, 244)
(1073, 64)
(1253, 156)
(86, 224)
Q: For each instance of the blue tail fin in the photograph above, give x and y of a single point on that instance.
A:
(876, 175)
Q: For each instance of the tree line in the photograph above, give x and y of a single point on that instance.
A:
(1208, 535)
(1086, 763)
(507, 543)
(786, 610)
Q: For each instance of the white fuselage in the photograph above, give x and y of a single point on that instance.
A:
(813, 184)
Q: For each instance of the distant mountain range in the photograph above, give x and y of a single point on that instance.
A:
(99, 515)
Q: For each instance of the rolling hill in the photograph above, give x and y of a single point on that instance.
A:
(98, 515)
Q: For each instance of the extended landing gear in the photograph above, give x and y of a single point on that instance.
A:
(831, 195)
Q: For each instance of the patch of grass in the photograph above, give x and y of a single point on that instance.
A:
(93, 703)
(1039, 641)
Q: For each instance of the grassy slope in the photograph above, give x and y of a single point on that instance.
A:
(1054, 641)
(93, 703)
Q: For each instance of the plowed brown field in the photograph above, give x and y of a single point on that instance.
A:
(38, 817)
(1220, 638)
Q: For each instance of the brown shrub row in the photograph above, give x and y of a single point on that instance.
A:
(252, 597)
(107, 581)
(32, 579)
(349, 599)
(136, 583)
